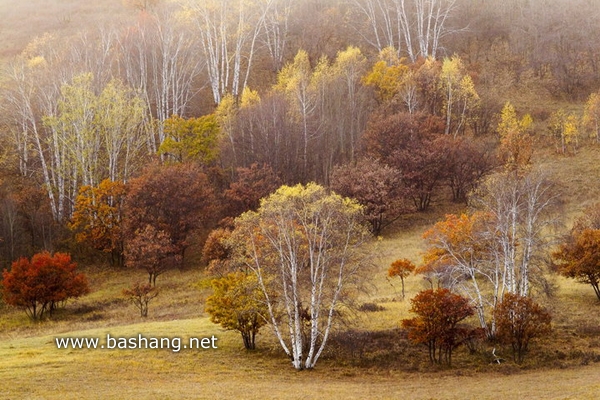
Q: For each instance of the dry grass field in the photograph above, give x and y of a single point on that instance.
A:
(371, 361)
(32, 367)
(378, 363)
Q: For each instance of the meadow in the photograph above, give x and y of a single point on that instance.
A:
(368, 356)
(379, 362)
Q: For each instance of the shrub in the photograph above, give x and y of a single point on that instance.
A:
(436, 325)
(519, 319)
(141, 295)
(43, 283)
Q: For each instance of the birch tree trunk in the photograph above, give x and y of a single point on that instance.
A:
(303, 245)
(228, 32)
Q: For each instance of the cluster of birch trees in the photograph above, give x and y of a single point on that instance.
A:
(82, 109)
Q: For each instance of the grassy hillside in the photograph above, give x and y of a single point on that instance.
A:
(381, 364)
(377, 363)
(33, 368)
(367, 358)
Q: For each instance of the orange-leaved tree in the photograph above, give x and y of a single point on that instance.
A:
(436, 325)
(97, 218)
(579, 257)
(401, 268)
(459, 254)
(43, 283)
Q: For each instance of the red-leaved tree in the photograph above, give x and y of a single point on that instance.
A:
(519, 321)
(252, 184)
(151, 250)
(43, 283)
(407, 142)
(375, 186)
(177, 200)
(436, 325)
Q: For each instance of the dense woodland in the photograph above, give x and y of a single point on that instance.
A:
(139, 142)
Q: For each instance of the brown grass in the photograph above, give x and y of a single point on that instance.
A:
(33, 368)
(374, 361)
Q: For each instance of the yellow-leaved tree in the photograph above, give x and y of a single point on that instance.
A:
(516, 144)
(459, 94)
(388, 75)
(193, 139)
(591, 116)
(304, 246)
(237, 303)
(565, 127)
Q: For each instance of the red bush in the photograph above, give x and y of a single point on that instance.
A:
(41, 284)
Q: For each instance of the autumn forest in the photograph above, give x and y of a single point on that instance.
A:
(365, 187)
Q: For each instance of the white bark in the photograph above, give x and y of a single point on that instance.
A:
(501, 253)
(277, 16)
(158, 59)
(415, 26)
(301, 249)
(228, 32)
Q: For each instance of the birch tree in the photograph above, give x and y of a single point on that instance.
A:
(460, 97)
(300, 84)
(413, 27)
(516, 145)
(276, 24)
(523, 210)
(500, 249)
(229, 31)
(565, 127)
(29, 94)
(93, 137)
(303, 244)
(591, 116)
(157, 58)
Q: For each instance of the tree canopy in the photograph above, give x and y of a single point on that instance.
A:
(303, 245)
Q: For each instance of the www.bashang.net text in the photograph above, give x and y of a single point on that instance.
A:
(175, 344)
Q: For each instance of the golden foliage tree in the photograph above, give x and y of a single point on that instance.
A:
(191, 140)
(237, 303)
(565, 127)
(516, 144)
(591, 116)
(97, 218)
(303, 244)
(460, 98)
